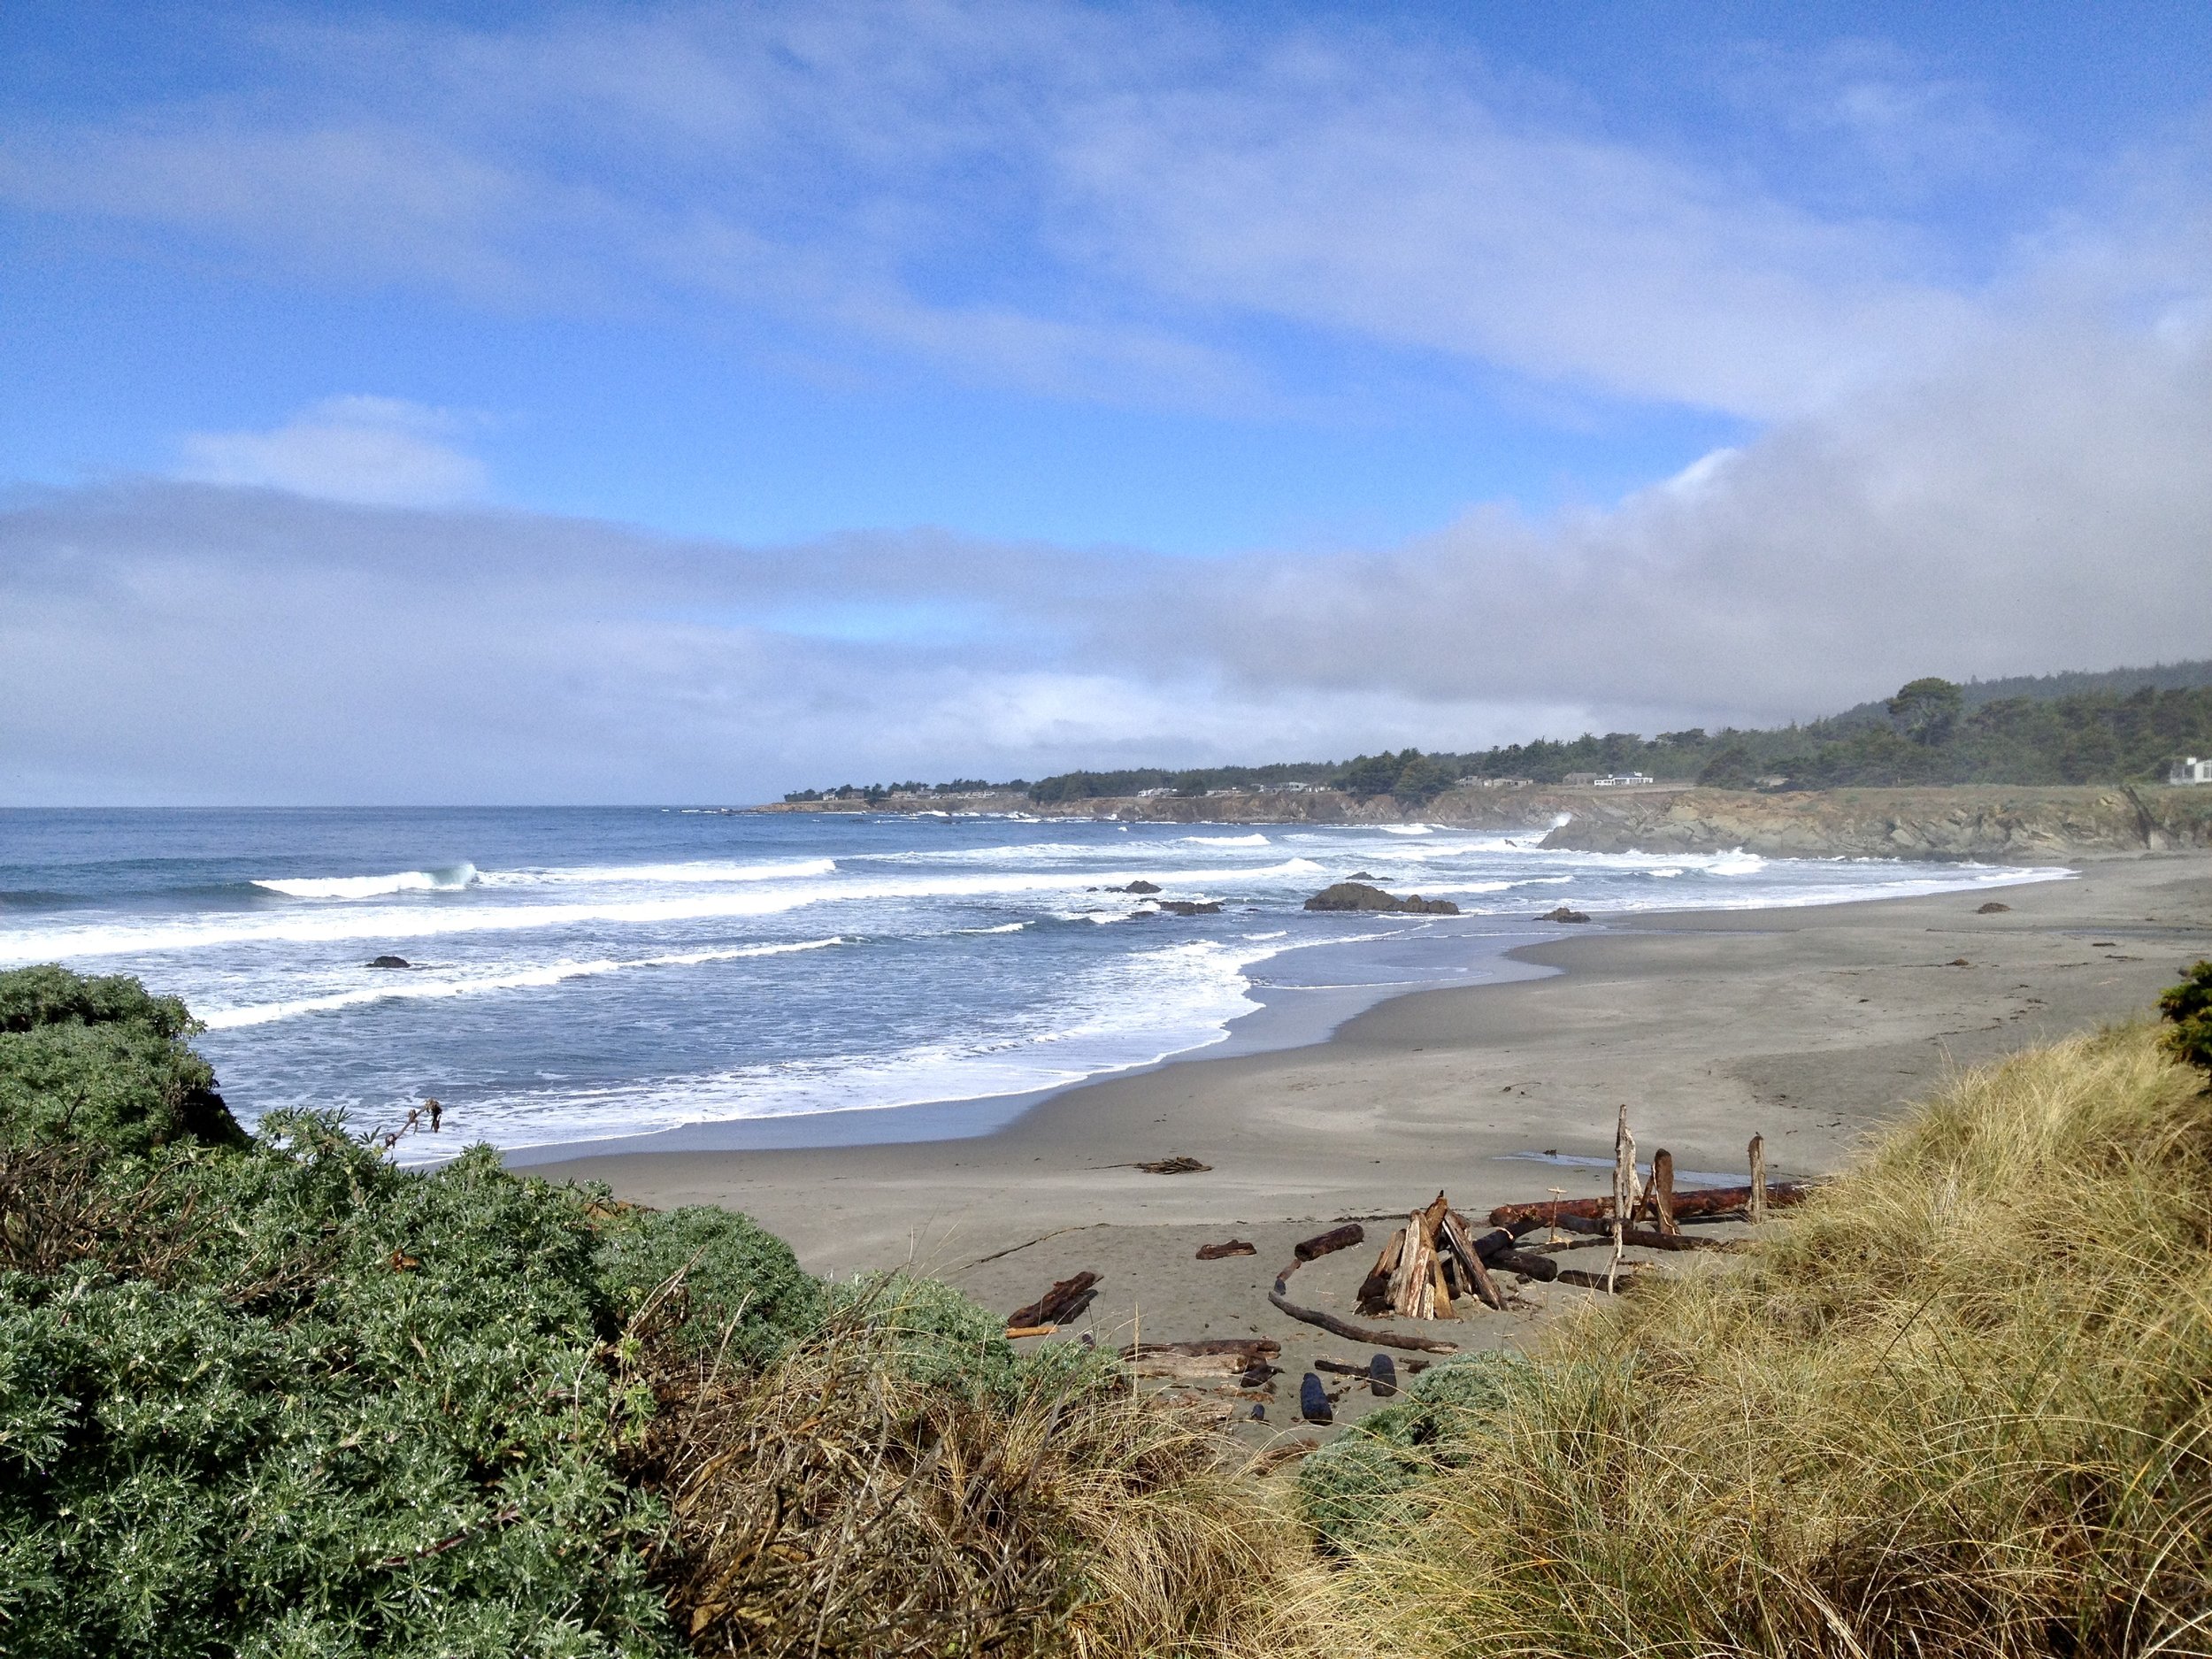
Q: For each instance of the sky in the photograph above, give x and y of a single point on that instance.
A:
(630, 402)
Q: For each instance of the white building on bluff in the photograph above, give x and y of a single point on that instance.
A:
(2189, 771)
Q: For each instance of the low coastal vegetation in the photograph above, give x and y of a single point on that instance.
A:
(274, 1394)
(2124, 726)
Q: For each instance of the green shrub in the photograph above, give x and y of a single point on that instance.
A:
(98, 1061)
(1345, 1488)
(304, 1401)
(721, 1282)
(2188, 1008)
(938, 1338)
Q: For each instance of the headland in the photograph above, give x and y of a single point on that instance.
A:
(1996, 822)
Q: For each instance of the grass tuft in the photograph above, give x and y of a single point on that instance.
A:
(900, 1484)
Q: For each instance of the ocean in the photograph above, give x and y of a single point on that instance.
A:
(701, 976)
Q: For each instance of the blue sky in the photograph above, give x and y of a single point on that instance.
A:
(956, 386)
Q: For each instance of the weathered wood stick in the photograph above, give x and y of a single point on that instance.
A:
(1709, 1201)
(1326, 1243)
(1409, 1279)
(1478, 1279)
(1373, 1295)
(1663, 1192)
(1756, 1194)
(1352, 1333)
(1016, 1331)
(1624, 1188)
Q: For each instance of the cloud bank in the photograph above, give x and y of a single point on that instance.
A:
(2043, 501)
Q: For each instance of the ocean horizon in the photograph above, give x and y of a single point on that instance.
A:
(578, 975)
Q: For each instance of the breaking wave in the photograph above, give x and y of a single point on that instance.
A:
(399, 989)
(451, 879)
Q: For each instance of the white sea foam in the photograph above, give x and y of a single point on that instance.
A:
(703, 873)
(1004, 927)
(1407, 829)
(396, 922)
(1225, 840)
(1133, 1011)
(399, 986)
(452, 879)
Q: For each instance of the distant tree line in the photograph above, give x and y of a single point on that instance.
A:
(2118, 728)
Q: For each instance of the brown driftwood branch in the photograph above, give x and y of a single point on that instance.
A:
(1058, 1305)
(1352, 1333)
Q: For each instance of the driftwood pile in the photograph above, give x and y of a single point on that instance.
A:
(1428, 1260)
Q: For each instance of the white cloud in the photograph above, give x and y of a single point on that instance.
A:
(373, 452)
(1047, 196)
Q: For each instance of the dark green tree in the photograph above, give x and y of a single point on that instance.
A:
(1926, 709)
(1421, 779)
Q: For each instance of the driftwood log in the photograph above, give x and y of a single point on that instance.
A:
(1643, 1238)
(1234, 1247)
(1706, 1202)
(1328, 1243)
(1662, 1193)
(1058, 1305)
(1477, 1277)
(1243, 1349)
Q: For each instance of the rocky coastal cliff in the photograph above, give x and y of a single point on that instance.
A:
(1990, 822)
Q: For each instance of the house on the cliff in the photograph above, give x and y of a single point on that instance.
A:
(2189, 771)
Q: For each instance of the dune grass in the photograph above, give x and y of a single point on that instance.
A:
(1959, 1404)
(903, 1482)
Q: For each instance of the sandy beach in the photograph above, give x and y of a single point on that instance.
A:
(1809, 1026)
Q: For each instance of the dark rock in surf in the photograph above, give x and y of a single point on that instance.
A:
(1562, 914)
(390, 961)
(1357, 895)
(1135, 886)
(1189, 907)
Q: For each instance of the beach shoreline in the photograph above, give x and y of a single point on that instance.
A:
(1811, 1026)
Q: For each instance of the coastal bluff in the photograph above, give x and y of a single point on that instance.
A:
(1998, 823)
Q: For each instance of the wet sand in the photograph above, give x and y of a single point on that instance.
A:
(1811, 1026)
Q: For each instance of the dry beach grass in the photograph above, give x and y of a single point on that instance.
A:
(1957, 1405)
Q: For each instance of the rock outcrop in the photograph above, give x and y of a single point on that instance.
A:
(2023, 825)
(1357, 895)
